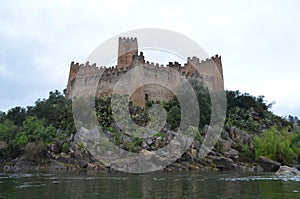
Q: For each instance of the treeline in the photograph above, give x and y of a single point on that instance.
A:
(51, 120)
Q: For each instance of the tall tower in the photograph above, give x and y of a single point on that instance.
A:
(127, 48)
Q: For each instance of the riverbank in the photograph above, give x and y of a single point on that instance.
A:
(233, 152)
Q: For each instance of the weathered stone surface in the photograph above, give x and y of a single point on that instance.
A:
(223, 163)
(3, 145)
(23, 164)
(145, 146)
(258, 168)
(67, 160)
(53, 165)
(288, 171)
(55, 148)
(151, 71)
(232, 153)
(225, 145)
(241, 137)
(268, 164)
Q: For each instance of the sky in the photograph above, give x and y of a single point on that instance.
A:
(258, 41)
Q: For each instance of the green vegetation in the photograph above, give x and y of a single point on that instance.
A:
(32, 128)
(280, 145)
(51, 121)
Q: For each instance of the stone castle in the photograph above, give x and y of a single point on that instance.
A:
(152, 81)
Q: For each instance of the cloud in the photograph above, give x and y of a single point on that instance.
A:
(257, 40)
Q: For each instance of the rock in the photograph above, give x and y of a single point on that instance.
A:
(225, 145)
(288, 171)
(23, 164)
(268, 164)
(242, 168)
(169, 137)
(258, 168)
(71, 138)
(3, 145)
(55, 148)
(250, 169)
(117, 127)
(232, 153)
(241, 137)
(145, 146)
(158, 143)
(149, 141)
(224, 135)
(56, 166)
(223, 163)
(76, 160)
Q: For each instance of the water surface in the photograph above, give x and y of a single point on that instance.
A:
(153, 185)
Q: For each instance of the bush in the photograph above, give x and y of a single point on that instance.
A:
(275, 145)
(65, 147)
(34, 129)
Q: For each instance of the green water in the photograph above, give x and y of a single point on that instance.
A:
(154, 185)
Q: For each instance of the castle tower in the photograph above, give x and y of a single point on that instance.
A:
(127, 48)
(74, 68)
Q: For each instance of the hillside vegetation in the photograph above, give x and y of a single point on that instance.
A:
(30, 130)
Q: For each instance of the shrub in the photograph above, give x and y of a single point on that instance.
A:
(276, 145)
(65, 147)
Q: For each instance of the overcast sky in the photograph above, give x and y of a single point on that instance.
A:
(258, 41)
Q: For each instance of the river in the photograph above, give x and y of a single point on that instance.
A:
(153, 185)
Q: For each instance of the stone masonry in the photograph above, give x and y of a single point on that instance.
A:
(144, 80)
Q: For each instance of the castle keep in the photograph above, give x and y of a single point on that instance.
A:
(144, 80)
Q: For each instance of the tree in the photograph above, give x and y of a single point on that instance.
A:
(17, 115)
(34, 129)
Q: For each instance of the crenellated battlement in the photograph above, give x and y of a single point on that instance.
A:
(127, 39)
(128, 58)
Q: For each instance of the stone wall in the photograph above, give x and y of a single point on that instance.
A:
(140, 79)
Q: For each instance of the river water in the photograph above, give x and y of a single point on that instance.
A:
(154, 185)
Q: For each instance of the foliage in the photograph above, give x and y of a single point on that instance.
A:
(279, 145)
(65, 147)
(51, 120)
(56, 111)
(251, 113)
(17, 115)
(34, 129)
(103, 111)
(174, 117)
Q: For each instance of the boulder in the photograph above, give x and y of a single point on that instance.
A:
(258, 168)
(232, 153)
(225, 164)
(268, 164)
(288, 171)
(23, 164)
(53, 165)
(3, 145)
(76, 160)
(145, 146)
(241, 137)
(55, 148)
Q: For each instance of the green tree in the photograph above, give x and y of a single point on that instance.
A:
(17, 115)
(35, 129)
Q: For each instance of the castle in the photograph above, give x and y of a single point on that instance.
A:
(163, 78)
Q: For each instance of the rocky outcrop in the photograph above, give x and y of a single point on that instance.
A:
(227, 155)
(225, 164)
(287, 171)
(268, 164)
